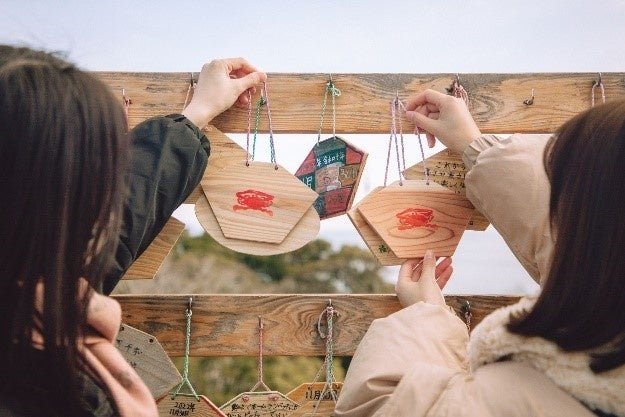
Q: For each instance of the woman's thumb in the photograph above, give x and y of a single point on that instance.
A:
(429, 267)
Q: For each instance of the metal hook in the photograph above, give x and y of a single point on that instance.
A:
(190, 303)
(192, 81)
(260, 323)
(529, 101)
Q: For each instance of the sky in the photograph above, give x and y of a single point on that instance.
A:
(391, 36)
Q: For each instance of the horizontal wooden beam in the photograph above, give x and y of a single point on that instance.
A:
(496, 100)
(227, 325)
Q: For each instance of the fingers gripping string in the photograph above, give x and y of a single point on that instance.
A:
(459, 91)
(597, 83)
(185, 372)
(426, 171)
(335, 92)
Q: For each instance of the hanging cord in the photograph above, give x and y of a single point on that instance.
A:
(393, 138)
(185, 372)
(328, 362)
(127, 103)
(260, 381)
(191, 87)
(417, 131)
(263, 100)
(465, 309)
(597, 83)
(330, 88)
(458, 90)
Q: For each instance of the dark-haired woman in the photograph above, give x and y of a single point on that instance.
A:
(558, 201)
(70, 175)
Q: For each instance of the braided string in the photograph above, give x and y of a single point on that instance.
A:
(328, 362)
(426, 171)
(260, 382)
(335, 92)
(185, 372)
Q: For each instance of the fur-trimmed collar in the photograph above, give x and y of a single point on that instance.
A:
(490, 341)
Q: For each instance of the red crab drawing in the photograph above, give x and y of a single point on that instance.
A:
(254, 200)
(415, 217)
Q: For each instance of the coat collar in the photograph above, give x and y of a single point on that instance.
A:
(491, 342)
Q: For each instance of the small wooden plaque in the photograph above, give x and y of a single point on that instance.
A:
(183, 405)
(260, 201)
(259, 404)
(333, 169)
(147, 265)
(414, 217)
(303, 232)
(447, 169)
(146, 355)
(312, 404)
(374, 242)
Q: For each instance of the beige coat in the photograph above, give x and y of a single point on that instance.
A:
(420, 361)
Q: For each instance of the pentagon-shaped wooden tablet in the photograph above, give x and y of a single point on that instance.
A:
(258, 201)
(333, 169)
(183, 405)
(315, 399)
(146, 355)
(414, 217)
(259, 404)
(374, 242)
(147, 265)
(303, 232)
(447, 169)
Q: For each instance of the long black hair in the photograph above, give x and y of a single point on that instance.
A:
(582, 303)
(63, 155)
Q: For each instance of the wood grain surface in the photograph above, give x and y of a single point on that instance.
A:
(302, 233)
(257, 201)
(379, 249)
(447, 169)
(495, 100)
(412, 217)
(147, 265)
(227, 325)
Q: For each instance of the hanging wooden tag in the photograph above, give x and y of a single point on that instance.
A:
(333, 169)
(147, 265)
(374, 242)
(260, 201)
(224, 151)
(146, 355)
(309, 397)
(259, 404)
(303, 232)
(447, 169)
(414, 217)
(187, 406)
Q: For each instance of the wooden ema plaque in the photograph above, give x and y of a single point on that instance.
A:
(259, 404)
(315, 399)
(260, 201)
(183, 405)
(447, 169)
(374, 242)
(147, 265)
(414, 217)
(303, 232)
(333, 169)
(146, 355)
